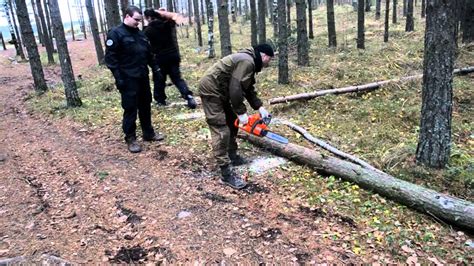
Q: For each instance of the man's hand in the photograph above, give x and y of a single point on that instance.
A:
(243, 119)
(263, 112)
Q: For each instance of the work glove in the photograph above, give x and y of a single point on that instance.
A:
(263, 112)
(243, 119)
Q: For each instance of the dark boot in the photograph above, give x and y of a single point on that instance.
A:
(133, 145)
(191, 102)
(232, 179)
(237, 160)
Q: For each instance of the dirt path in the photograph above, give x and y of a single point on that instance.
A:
(76, 193)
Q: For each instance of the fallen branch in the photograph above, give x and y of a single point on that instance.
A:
(453, 210)
(324, 144)
(359, 88)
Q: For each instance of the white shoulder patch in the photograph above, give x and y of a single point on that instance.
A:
(109, 42)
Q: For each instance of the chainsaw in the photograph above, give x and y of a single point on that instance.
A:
(258, 126)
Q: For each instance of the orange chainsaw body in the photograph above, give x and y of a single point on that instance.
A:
(255, 126)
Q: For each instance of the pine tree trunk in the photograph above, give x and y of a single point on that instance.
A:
(48, 21)
(67, 74)
(423, 8)
(275, 19)
(288, 16)
(233, 10)
(48, 42)
(394, 12)
(302, 33)
(387, 18)
(156, 4)
(83, 23)
(410, 26)
(203, 17)
(70, 19)
(197, 20)
(210, 26)
(19, 47)
(112, 14)
(253, 23)
(103, 25)
(360, 25)
(39, 29)
(310, 19)
(434, 142)
(331, 23)
(377, 9)
(282, 43)
(367, 5)
(468, 22)
(262, 31)
(148, 4)
(169, 5)
(405, 8)
(224, 27)
(95, 32)
(123, 6)
(3, 42)
(190, 12)
(31, 47)
(453, 210)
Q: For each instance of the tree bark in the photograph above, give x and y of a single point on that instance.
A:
(423, 8)
(19, 45)
(282, 43)
(394, 12)
(67, 74)
(112, 13)
(275, 20)
(197, 20)
(253, 23)
(233, 11)
(410, 25)
(70, 19)
(405, 8)
(262, 10)
(103, 25)
(31, 47)
(95, 32)
(331, 24)
(367, 5)
(190, 12)
(377, 9)
(468, 22)
(224, 27)
(359, 88)
(288, 16)
(169, 5)
(203, 14)
(39, 29)
(210, 26)
(310, 19)
(450, 209)
(302, 33)
(387, 18)
(123, 6)
(434, 144)
(48, 42)
(48, 21)
(360, 25)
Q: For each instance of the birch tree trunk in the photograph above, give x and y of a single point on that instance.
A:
(210, 26)
(95, 32)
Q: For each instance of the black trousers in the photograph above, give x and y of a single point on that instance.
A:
(170, 68)
(136, 99)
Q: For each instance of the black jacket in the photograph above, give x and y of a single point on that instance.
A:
(128, 53)
(163, 44)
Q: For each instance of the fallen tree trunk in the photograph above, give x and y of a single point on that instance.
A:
(453, 210)
(359, 88)
(324, 144)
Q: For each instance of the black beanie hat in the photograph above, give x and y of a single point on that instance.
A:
(264, 48)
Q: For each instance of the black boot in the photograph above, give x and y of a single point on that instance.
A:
(133, 145)
(236, 159)
(232, 179)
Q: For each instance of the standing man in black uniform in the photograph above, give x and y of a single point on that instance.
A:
(127, 55)
(165, 46)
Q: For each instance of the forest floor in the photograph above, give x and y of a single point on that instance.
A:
(70, 189)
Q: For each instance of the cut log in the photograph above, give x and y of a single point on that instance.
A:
(453, 210)
(359, 88)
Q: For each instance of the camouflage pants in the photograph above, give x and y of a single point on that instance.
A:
(220, 117)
